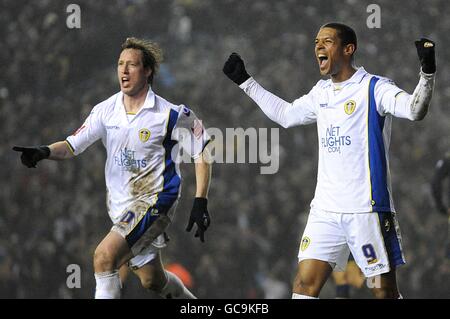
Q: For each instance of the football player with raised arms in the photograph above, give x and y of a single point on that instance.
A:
(140, 131)
(352, 207)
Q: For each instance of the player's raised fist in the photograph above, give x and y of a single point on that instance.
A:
(425, 51)
(199, 216)
(31, 155)
(234, 68)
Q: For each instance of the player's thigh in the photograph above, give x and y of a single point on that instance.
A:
(311, 275)
(113, 249)
(375, 242)
(323, 239)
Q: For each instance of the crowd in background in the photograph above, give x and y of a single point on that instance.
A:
(55, 215)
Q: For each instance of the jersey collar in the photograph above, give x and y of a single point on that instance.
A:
(357, 77)
(149, 100)
(148, 103)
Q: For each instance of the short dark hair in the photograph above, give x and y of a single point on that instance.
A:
(152, 55)
(345, 33)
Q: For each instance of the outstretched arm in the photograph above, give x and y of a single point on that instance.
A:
(60, 151)
(31, 155)
(301, 111)
(88, 133)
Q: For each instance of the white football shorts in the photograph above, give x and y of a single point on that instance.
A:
(143, 227)
(373, 239)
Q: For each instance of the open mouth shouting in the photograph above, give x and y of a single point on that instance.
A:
(323, 61)
(125, 80)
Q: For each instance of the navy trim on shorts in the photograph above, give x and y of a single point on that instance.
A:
(145, 223)
(390, 237)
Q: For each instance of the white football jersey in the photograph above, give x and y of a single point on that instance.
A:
(354, 125)
(140, 162)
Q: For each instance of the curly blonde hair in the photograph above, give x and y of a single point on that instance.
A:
(152, 54)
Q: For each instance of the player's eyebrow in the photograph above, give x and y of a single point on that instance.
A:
(324, 38)
(128, 61)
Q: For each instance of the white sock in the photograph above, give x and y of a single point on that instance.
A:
(400, 296)
(175, 288)
(298, 296)
(108, 285)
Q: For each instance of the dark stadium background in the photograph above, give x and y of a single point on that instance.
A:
(51, 77)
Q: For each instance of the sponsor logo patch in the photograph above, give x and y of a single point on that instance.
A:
(375, 268)
(127, 161)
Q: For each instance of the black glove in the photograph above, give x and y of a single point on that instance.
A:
(425, 51)
(31, 155)
(199, 216)
(234, 68)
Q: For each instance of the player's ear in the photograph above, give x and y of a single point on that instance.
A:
(349, 49)
(148, 71)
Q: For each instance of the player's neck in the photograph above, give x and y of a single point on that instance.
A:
(133, 103)
(344, 74)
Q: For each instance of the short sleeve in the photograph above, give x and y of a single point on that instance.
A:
(88, 133)
(190, 133)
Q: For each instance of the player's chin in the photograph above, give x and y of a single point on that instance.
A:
(127, 90)
(324, 71)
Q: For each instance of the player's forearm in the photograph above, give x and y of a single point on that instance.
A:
(421, 97)
(416, 105)
(203, 172)
(60, 151)
(274, 107)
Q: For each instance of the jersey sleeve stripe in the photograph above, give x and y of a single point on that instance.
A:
(400, 92)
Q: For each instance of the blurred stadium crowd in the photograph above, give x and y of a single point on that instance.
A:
(55, 215)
